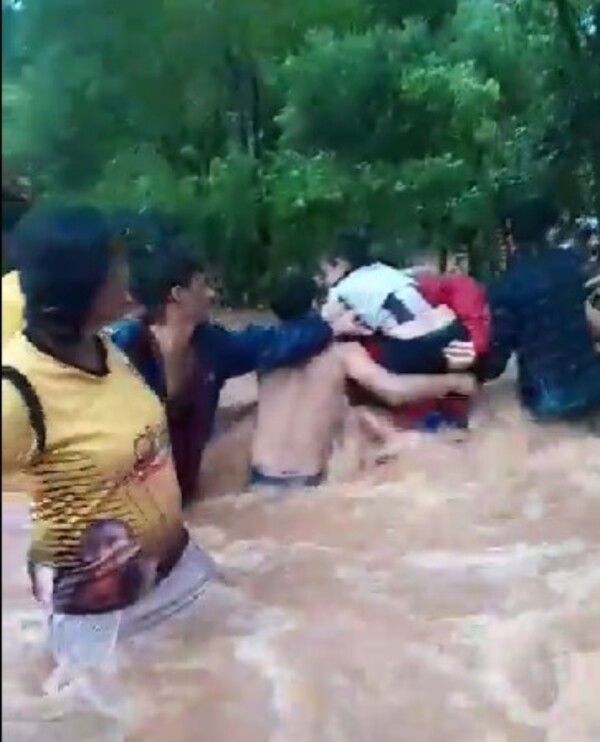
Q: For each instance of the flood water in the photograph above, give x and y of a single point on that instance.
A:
(452, 595)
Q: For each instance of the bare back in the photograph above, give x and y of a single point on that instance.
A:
(298, 411)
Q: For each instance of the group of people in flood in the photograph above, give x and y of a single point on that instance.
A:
(112, 371)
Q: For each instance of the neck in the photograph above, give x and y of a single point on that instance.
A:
(340, 278)
(85, 352)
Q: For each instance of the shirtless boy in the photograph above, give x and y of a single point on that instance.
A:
(300, 408)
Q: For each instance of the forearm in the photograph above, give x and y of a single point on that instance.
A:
(504, 337)
(400, 390)
(266, 349)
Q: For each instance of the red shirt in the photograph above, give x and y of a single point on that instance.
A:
(468, 300)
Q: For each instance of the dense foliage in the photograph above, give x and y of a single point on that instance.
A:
(266, 124)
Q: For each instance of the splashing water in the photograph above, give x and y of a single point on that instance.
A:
(452, 595)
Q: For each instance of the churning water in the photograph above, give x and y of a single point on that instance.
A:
(452, 595)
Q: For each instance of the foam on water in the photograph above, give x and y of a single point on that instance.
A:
(451, 595)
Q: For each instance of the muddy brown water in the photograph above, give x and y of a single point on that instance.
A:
(452, 595)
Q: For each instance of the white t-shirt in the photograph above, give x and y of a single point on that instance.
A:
(367, 290)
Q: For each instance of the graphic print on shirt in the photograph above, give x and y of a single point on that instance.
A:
(366, 291)
(105, 539)
(398, 309)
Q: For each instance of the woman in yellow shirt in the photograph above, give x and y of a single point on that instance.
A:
(108, 533)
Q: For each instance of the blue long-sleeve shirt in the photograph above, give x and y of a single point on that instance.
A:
(220, 354)
(538, 313)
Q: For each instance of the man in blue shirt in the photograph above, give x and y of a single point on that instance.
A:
(185, 358)
(538, 313)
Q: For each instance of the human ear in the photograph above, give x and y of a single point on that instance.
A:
(175, 294)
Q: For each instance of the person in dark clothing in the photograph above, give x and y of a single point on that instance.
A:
(185, 358)
(538, 313)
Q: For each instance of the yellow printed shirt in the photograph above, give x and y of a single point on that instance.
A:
(106, 505)
(12, 307)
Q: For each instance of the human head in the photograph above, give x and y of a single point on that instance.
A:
(425, 260)
(118, 570)
(166, 271)
(73, 273)
(294, 296)
(458, 264)
(351, 250)
(103, 539)
(530, 222)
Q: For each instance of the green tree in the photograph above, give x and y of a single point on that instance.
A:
(266, 125)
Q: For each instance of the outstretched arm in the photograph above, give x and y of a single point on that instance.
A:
(397, 389)
(264, 349)
(505, 336)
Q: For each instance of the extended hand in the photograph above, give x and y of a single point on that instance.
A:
(333, 309)
(460, 356)
(347, 324)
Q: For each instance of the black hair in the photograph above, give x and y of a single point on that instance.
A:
(14, 207)
(294, 295)
(530, 221)
(63, 256)
(159, 260)
(352, 246)
(585, 233)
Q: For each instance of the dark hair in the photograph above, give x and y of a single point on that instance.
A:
(294, 295)
(63, 256)
(353, 247)
(14, 208)
(159, 260)
(585, 233)
(530, 220)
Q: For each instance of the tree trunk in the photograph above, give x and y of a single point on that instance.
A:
(568, 26)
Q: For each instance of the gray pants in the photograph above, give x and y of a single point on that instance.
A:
(83, 642)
